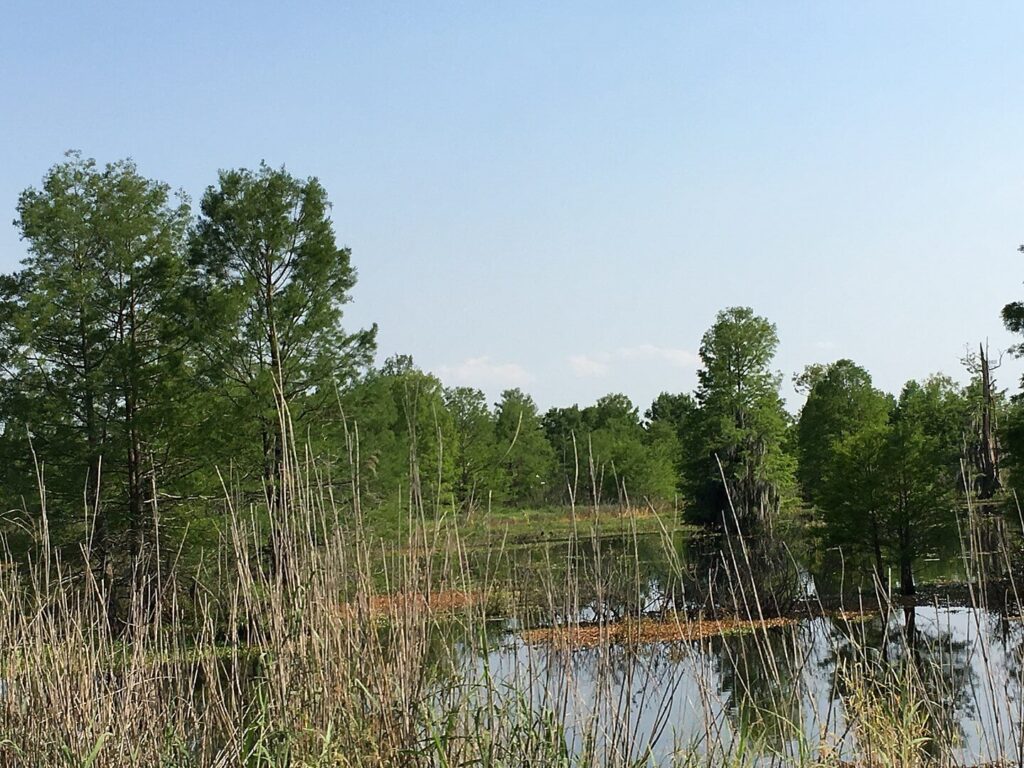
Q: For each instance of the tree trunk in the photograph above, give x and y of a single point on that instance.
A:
(136, 490)
(907, 586)
(989, 481)
(100, 548)
(277, 375)
(278, 495)
(876, 546)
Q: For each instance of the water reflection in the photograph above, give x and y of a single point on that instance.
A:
(610, 578)
(786, 693)
(784, 690)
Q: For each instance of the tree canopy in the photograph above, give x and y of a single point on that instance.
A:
(152, 356)
(740, 462)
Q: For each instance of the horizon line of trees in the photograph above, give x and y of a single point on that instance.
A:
(151, 354)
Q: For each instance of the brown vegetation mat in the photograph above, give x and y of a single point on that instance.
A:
(672, 627)
(439, 601)
(633, 632)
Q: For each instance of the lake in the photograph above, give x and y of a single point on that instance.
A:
(950, 666)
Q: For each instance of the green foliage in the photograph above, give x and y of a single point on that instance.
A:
(1012, 430)
(680, 415)
(840, 401)
(159, 351)
(629, 461)
(275, 282)
(924, 470)
(1013, 318)
(851, 492)
(609, 452)
(1011, 435)
(526, 458)
(406, 435)
(96, 349)
(676, 411)
(889, 481)
(142, 350)
(743, 423)
(564, 429)
(475, 447)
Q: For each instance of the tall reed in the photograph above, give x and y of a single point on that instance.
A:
(342, 650)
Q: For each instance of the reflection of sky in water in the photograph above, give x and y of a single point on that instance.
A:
(695, 695)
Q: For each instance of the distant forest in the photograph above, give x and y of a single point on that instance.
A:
(159, 361)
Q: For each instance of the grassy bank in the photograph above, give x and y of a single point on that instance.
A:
(502, 525)
(338, 648)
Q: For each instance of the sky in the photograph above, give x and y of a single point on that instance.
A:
(560, 196)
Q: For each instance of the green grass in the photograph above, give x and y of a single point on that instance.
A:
(528, 525)
(347, 658)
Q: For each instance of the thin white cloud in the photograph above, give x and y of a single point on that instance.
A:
(678, 358)
(485, 373)
(587, 367)
(595, 366)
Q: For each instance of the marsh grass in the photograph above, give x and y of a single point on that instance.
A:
(340, 649)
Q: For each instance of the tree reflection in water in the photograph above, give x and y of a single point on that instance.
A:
(783, 692)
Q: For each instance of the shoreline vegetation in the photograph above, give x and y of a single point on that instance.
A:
(370, 653)
(512, 527)
(230, 539)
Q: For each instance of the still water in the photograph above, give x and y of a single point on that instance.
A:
(784, 692)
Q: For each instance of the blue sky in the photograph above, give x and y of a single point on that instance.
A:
(560, 196)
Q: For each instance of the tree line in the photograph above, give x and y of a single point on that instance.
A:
(155, 358)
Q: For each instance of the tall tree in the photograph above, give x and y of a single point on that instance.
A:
(889, 481)
(744, 424)
(840, 400)
(853, 494)
(630, 462)
(1013, 318)
(986, 404)
(680, 414)
(564, 429)
(475, 448)
(407, 437)
(1011, 437)
(526, 458)
(1013, 430)
(97, 319)
(843, 439)
(924, 470)
(276, 282)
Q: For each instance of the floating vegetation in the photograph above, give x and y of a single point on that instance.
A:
(668, 629)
